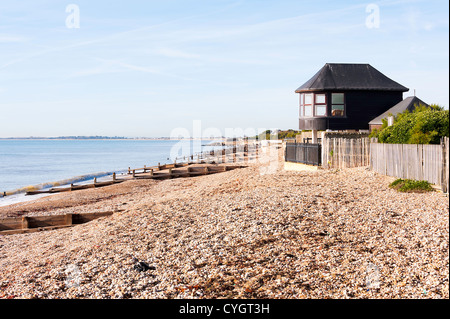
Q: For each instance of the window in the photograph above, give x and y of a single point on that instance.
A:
(313, 104)
(307, 105)
(337, 104)
(320, 99)
(308, 111)
(321, 110)
(308, 99)
(320, 105)
(301, 105)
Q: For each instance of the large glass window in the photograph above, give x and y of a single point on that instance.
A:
(337, 104)
(314, 104)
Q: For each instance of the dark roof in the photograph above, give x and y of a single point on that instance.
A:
(343, 76)
(409, 104)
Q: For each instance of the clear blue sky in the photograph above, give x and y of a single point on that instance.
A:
(142, 68)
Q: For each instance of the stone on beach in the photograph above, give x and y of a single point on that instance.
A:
(237, 234)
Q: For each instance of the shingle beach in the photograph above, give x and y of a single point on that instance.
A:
(246, 233)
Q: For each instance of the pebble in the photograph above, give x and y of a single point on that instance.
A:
(143, 266)
(241, 234)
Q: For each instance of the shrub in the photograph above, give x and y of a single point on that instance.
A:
(422, 126)
(409, 185)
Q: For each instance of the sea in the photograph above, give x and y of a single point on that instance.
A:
(30, 164)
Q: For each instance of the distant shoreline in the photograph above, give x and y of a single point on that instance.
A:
(111, 138)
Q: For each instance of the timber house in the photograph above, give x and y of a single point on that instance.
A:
(343, 97)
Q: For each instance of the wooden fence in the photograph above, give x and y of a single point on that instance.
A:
(409, 161)
(345, 152)
(413, 161)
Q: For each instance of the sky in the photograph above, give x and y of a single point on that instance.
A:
(147, 68)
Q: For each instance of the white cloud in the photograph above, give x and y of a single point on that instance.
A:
(428, 26)
(7, 38)
(171, 53)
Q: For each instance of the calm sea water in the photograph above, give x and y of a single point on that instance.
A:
(33, 162)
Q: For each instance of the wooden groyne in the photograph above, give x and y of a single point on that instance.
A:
(25, 224)
(160, 172)
(187, 166)
(179, 170)
(72, 187)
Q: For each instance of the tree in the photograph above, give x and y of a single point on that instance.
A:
(425, 125)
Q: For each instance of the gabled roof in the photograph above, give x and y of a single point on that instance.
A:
(344, 76)
(410, 103)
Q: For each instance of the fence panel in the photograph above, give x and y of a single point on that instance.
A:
(412, 161)
(408, 161)
(305, 153)
(432, 163)
(345, 152)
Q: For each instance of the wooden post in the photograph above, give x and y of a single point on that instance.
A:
(95, 180)
(68, 219)
(444, 165)
(114, 177)
(129, 170)
(151, 172)
(314, 136)
(134, 173)
(446, 142)
(71, 187)
(25, 222)
(246, 151)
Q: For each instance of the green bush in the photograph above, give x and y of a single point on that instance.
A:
(409, 185)
(396, 182)
(422, 126)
